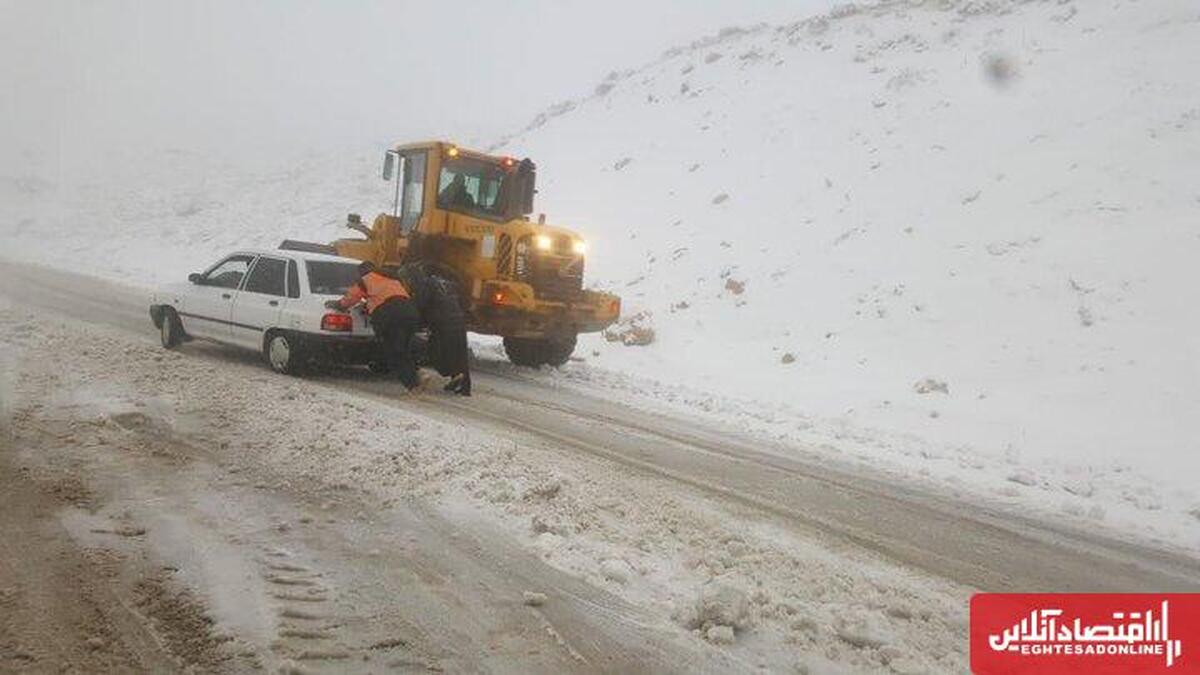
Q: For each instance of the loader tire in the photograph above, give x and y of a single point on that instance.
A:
(557, 351)
(522, 351)
(534, 352)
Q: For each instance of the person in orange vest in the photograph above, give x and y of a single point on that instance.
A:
(394, 318)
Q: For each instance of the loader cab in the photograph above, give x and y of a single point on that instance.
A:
(441, 177)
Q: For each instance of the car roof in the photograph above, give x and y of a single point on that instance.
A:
(297, 255)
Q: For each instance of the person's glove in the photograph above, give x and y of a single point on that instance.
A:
(333, 304)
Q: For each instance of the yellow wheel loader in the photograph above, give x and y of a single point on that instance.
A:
(467, 215)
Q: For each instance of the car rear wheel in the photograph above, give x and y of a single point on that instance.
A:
(283, 353)
(170, 331)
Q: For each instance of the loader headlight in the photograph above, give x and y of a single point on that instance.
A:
(543, 242)
(579, 247)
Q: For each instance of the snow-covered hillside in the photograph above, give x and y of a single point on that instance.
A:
(148, 214)
(950, 238)
(999, 196)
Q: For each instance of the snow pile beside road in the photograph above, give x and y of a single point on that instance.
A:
(825, 217)
(1120, 499)
(770, 594)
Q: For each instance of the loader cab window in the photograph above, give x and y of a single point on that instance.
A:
(471, 186)
(412, 197)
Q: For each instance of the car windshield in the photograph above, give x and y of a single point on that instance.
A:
(330, 278)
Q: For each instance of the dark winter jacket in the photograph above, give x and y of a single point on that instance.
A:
(437, 298)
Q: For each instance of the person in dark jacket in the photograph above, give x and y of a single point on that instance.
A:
(393, 314)
(437, 301)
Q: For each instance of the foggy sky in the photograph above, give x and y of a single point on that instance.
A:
(81, 77)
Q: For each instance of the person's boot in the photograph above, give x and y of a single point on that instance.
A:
(423, 380)
(417, 385)
(459, 384)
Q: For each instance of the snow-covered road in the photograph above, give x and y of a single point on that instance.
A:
(422, 522)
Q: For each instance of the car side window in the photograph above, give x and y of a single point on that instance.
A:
(229, 272)
(268, 276)
(293, 284)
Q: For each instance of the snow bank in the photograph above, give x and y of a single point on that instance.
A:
(768, 592)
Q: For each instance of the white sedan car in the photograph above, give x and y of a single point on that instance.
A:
(272, 302)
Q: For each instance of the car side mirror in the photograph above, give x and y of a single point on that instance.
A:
(195, 277)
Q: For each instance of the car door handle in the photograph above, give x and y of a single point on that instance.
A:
(226, 296)
(273, 303)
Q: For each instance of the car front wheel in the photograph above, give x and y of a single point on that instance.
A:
(283, 353)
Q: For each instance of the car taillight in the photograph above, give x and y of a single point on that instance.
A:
(337, 322)
(499, 298)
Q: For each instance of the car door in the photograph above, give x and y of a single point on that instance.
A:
(257, 306)
(207, 309)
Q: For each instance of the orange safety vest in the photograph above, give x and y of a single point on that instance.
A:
(376, 289)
